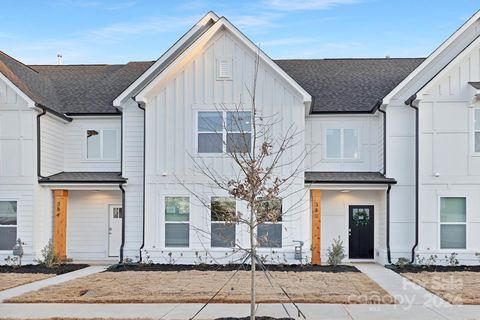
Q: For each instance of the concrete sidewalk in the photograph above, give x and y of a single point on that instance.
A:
(212, 311)
(13, 292)
(403, 290)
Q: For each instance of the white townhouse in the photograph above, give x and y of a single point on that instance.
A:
(92, 156)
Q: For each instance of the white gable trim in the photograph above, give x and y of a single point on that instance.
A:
(29, 101)
(125, 94)
(223, 23)
(448, 67)
(431, 57)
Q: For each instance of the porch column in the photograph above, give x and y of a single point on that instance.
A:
(60, 223)
(316, 222)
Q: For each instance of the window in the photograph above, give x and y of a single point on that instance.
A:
(453, 223)
(177, 217)
(8, 224)
(269, 233)
(342, 144)
(223, 212)
(477, 131)
(102, 144)
(224, 131)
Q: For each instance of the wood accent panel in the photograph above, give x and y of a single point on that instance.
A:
(316, 223)
(60, 198)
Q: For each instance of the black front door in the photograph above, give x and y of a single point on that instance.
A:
(361, 232)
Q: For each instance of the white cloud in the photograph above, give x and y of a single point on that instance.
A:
(255, 21)
(290, 5)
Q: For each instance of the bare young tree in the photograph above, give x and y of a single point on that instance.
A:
(265, 163)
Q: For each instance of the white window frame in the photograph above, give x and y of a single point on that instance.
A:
(275, 223)
(165, 222)
(10, 225)
(223, 222)
(473, 131)
(342, 143)
(224, 131)
(440, 223)
(101, 158)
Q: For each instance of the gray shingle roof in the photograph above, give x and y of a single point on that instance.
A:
(84, 177)
(347, 177)
(348, 85)
(336, 85)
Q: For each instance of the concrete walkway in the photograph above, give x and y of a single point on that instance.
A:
(403, 290)
(213, 311)
(13, 292)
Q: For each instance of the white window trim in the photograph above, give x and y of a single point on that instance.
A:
(440, 223)
(224, 132)
(165, 222)
(101, 159)
(472, 133)
(222, 222)
(342, 149)
(10, 225)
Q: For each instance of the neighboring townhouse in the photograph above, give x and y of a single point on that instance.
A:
(101, 158)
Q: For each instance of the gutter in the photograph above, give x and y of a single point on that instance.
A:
(123, 222)
(389, 255)
(409, 102)
(384, 170)
(39, 147)
(141, 106)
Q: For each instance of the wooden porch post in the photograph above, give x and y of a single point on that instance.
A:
(316, 223)
(60, 223)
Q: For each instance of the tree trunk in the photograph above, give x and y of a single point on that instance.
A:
(252, 273)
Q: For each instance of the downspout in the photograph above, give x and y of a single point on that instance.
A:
(384, 171)
(39, 148)
(123, 222)
(409, 102)
(389, 255)
(142, 107)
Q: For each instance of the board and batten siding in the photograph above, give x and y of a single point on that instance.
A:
(370, 129)
(75, 144)
(171, 113)
(18, 163)
(448, 164)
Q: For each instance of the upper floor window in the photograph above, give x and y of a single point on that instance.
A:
(224, 131)
(477, 130)
(8, 224)
(342, 143)
(102, 144)
(453, 223)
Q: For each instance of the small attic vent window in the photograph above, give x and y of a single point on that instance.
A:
(224, 69)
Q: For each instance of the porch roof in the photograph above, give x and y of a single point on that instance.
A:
(475, 84)
(85, 177)
(347, 177)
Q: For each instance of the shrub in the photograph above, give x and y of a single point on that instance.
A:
(402, 262)
(336, 252)
(50, 258)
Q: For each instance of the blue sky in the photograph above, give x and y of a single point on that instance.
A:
(96, 31)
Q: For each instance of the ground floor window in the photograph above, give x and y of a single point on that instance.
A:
(222, 213)
(453, 223)
(177, 221)
(269, 232)
(8, 224)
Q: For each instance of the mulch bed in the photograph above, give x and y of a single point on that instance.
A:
(229, 267)
(420, 268)
(35, 268)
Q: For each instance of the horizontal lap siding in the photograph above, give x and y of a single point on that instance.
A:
(52, 140)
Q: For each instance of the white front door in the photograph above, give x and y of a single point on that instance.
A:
(115, 217)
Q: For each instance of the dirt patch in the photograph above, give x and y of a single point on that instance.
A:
(419, 268)
(199, 286)
(12, 280)
(229, 267)
(35, 268)
(455, 287)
